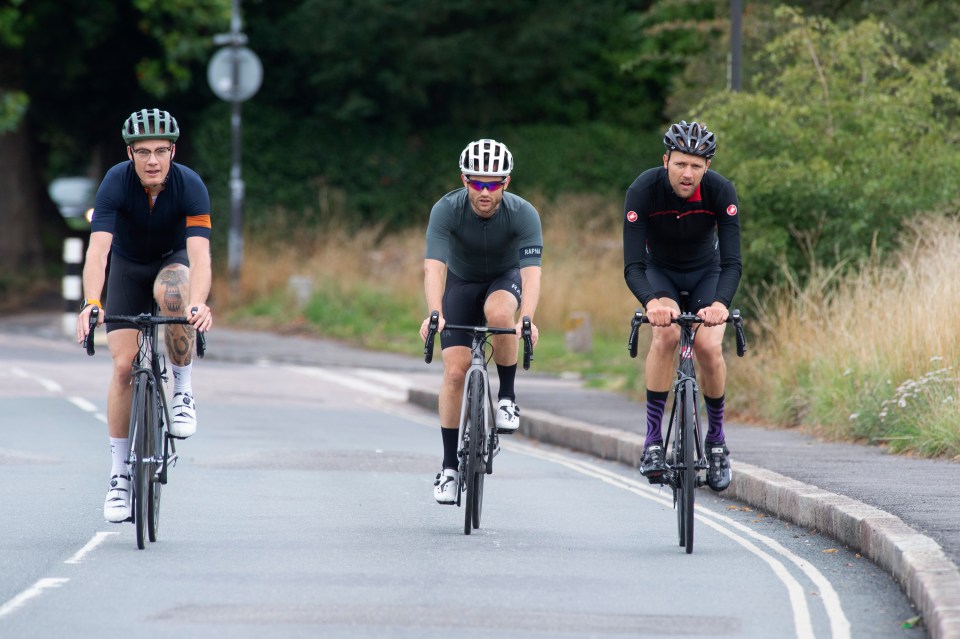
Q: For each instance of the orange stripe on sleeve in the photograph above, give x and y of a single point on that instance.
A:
(198, 220)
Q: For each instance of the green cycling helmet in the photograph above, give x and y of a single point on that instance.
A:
(150, 124)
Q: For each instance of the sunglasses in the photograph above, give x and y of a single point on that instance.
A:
(477, 185)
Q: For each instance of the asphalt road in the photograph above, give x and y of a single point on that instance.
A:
(303, 507)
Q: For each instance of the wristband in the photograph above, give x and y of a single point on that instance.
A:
(91, 302)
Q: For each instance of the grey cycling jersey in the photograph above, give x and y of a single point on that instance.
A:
(476, 249)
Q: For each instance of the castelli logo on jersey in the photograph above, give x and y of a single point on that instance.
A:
(632, 216)
(732, 209)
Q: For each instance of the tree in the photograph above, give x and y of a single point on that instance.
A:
(70, 72)
(841, 140)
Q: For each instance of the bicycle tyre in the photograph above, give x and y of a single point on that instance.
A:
(154, 487)
(139, 430)
(689, 476)
(472, 467)
(674, 462)
(483, 447)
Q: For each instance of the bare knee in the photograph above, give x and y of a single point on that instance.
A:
(665, 340)
(172, 289)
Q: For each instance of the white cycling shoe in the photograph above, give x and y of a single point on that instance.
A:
(116, 507)
(445, 488)
(183, 416)
(508, 417)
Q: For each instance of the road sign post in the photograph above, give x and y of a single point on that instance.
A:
(234, 74)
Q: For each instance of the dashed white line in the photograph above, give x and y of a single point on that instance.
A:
(83, 404)
(30, 593)
(48, 384)
(98, 539)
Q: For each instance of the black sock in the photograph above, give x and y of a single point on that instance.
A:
(451, 437)
(507, 376)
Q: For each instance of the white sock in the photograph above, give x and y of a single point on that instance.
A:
(119, 450)
(182, 378)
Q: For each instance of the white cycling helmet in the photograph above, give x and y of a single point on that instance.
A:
(486, 157)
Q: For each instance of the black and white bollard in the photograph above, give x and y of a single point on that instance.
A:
(72, 283)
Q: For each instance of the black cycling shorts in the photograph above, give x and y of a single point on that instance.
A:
(701, 284)
(463, 303)
(130, 285)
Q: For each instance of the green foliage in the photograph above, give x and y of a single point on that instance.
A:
(367, 104)
(183, 30)
(13, 106)
(842, 139)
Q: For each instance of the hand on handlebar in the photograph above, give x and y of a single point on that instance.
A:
(83, 322)
(534, 333)
(201, 317)
(660, 314)
(713, 315)
(424, 327)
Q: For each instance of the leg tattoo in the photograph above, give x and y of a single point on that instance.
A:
(173, 282)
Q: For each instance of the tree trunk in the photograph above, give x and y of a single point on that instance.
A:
(21, 248)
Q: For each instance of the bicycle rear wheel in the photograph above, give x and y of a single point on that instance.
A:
(140, 432)
(688, 477)
(474, 447)
(155, 445)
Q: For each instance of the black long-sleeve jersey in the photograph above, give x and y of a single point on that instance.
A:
(662, 230)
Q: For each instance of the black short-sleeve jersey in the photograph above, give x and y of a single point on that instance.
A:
(144, 231)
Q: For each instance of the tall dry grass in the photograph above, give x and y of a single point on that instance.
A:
(869, 354)
(582, 263)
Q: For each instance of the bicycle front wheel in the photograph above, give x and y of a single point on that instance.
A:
(473, 431)
(140, 469)
(155, 445)
(688, 483)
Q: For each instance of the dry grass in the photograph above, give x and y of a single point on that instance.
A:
(865, 355)
(582, 264)
(832, 352)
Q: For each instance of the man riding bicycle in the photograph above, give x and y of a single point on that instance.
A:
(483, 248)
(681, 232)
(152, 220)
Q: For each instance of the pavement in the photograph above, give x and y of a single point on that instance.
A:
(902, 513)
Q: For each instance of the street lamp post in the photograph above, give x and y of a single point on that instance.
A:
(736, 37)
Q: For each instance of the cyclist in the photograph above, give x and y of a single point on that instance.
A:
(681, 232)
(152, 219)
(483, 249)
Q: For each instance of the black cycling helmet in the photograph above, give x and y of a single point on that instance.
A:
(690, 138)
(150, 124)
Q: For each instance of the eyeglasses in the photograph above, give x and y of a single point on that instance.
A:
(477, 185)
(144, 154)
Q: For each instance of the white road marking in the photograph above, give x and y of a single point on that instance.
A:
(341, 378)
(803, 625)
(48, 384)
(30, 593)
(83, 404)
(98, 539)
(88, 407)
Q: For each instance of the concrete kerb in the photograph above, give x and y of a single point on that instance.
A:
(927, 576)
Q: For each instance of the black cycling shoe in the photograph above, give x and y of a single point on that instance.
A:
(718, 469)
(653, 465)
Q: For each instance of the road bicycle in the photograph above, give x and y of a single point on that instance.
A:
(686, 461)
(479, 440)
(152, 449)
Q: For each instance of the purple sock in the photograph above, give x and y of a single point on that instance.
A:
(714, 419)
(656, 401)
